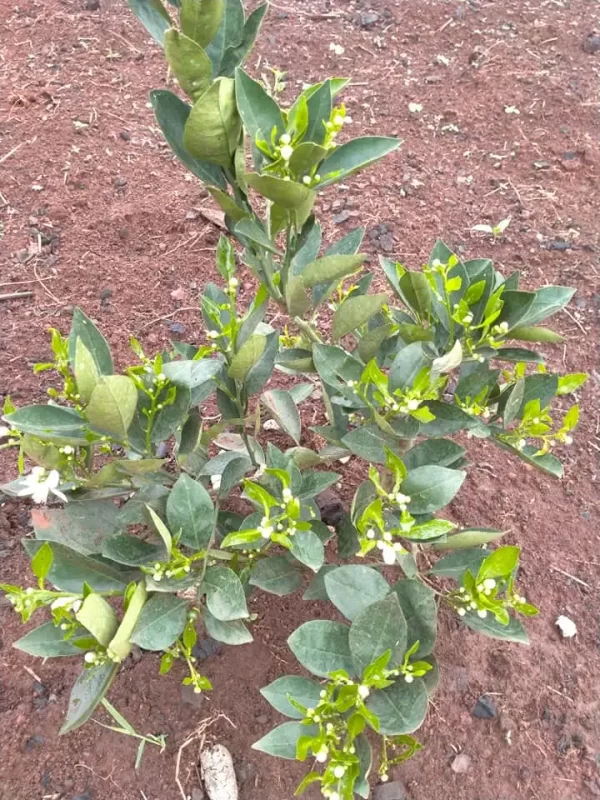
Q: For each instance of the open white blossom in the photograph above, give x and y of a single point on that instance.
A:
(39, 484)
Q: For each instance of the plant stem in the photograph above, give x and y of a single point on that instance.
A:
(308, 330)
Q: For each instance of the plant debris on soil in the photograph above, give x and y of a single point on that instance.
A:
(497, 103)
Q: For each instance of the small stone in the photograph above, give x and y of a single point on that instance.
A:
(120, 182)
(591, 43)
(342, 217)
(105, 295)
(178, 294)
(484, 708)
(390, 791)
(331, 507)
(368, 18)
(84, 796)
(282, 15)
(176, 327)
(198, 793)
(34, 742)
(560, 246)
(218, 773)
(431, 79)
(22, 255)
(125, 135)
(262, 719)
(461, 764)
(206, 648)
(91, 5)
(386, 242)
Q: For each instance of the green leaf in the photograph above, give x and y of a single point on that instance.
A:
(287, 194)
(259, 112)
(276, 575)
(42, 562)
(355, 312)
(120, 645)
(470, 537)
(47, 641)
(88, 690)
(319, 111)
(283, 409)
(548, 300)
(448, 419)
(316, 588)
(172, 115)
(229, 33)
(232, 632)
(161, 622)
(489, 626)
(308, 549)
(431, 487)
(369, 442)
(443, 452)
(355, 155)
(84, 330)
(213, 128)
(378, 627)
(190, 511)
(322, 647)
(296, 298)
(408, 363)
(353, 587)
(256, 233)
(228, 205)
(247, 356)
(82, 526)
(192, 374)
(49, 422)
(225, 595)
(112, 405)
(515, 308)
(260, 373)
(415, 289)
(401, 708)
(200, 20)
(514, 402)
(85, 371)
(189, 63)
(153, 16)
(365, 758)
(456, 564)
(98, 617)
(331, 268)
(282, 740)
(303, 690)
(501, 563)
(532, 334)
(131, 551)
(172, 417)
(418, 605)
(234, 56)
(70, 570)
(306, 156)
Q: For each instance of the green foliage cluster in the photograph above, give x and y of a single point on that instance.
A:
(145, 547)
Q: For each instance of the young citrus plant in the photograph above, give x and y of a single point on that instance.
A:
(139, 545)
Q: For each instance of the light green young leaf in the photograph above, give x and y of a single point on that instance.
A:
(500, 564)
(98, 617)
(120, 644)
(85, 371)
(41, 563)
(161, 529)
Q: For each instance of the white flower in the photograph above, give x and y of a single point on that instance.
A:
(489, 583)
(568, 440)
(482, 613)
(233, 283)
(61, 602)
(337, 49)
(287, 151)
(363, 691)
(461, 612)
(338, 120)
(306, 180)
(339, 771)
(413, 404)
(38, 485)
(409, 678)
(215, 481)
(322, 755)
(389, 554)
(370, 533)
(384, 778)
(67, 450)
(287, 495)
(285, 138)
(566, 626)
(89, 657)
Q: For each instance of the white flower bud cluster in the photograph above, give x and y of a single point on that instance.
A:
(469, 601)
(265, 528)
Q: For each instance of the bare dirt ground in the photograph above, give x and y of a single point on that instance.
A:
(498, 104)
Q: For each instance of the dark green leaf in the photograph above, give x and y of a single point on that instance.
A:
(420, 612)
(401, 708)
(276, 575)
(232, 632)
(190, 512)
(70, 570)
(431, 487)
(84, 330)
(303, 690)
(247, 356)
(319, 110)
(236, 55)
(378, 627)
(489, 626)
(282, 741)
(172, 114)
(355, 155)
(258, 110)
(548, 300)
(49, 422)
(225, 595)
(283, 409)
(322, 647)
(443, 452)
(407, 365)
(456, 564)
(229, 33)
(131, 551)
(308, 548)
(355, 312)
(316, 588)
(331, 268)
(48, 641)
(353, 587)
(153, 16)
(113, 404)
(88, 690)
(161, 622)
(470, 537)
